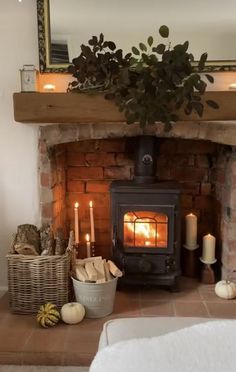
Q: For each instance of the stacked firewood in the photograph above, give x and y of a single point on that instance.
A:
(29, 240)
(95, 270)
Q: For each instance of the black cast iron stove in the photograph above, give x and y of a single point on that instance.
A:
(146, 223)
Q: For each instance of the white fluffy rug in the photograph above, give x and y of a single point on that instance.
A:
(5, 368)
(206, 347)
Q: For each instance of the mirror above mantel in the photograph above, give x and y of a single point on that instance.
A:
(63, 25)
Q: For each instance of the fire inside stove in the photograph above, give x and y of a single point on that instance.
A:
(145, 229)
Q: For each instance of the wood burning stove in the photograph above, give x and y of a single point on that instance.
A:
(146, 224)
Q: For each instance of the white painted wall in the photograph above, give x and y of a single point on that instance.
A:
(19, 201)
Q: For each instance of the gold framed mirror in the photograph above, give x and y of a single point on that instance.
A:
(63, 25)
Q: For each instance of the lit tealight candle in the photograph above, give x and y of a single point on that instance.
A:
(49, 87)
(76, 213)
(191, 231)
(208, 248)
(92, 222)
(88, 245)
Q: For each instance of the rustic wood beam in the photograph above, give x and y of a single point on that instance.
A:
(78, 108)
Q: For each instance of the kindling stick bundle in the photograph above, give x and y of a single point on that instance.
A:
(96, 270)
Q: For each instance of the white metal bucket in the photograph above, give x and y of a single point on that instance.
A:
(97, 298)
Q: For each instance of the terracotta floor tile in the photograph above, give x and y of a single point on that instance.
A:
(195, 309)
(155, 294)
(187, 295)
(77, 359)
(4, 303)
(89, 325)
(11, 358)
(48, 359)
(154, 308)
(47, 340)
(125, 307)
(81, 342)
(26, 343)
(188, 283)
(212, 297)
(20, 321)
(222, 310)
(14, 339)
(131, 293)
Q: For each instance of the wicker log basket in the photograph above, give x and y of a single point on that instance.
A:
(35, 280)
(38, 269)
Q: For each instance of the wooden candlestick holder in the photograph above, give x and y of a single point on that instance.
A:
(93, 253)
(191, 266)
(207, 273)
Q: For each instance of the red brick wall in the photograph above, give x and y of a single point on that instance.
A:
(190, 163)
(225, 183)
(82, 171)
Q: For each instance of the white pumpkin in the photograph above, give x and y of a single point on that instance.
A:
(225, 289)
(72, 313)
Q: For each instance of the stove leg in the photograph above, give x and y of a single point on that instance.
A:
(175, 286)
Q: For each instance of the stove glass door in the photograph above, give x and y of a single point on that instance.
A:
(145, 229)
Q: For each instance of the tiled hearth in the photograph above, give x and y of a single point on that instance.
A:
(24, 342)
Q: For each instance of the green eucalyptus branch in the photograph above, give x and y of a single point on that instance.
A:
(149, 85)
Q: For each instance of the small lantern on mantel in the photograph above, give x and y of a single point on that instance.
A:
(29, 78)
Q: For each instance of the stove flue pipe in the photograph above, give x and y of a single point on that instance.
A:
(145, 160)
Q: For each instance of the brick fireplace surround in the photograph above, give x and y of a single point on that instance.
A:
(78, 162)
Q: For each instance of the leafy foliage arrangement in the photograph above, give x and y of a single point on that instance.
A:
(149, 85)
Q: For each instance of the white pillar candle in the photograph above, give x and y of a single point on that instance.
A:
(92, 222)
(191, 230)
(88, 245)
(208, 248)
(76, 214)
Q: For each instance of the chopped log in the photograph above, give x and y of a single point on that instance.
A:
(91, 272)
(47, 240)
(60, 243)
(71, 241)
(12, 245)
(81, 273)
(114, 269)
(28, 234)
(107, 271)
(26, 249)
(101, 280)
(81, 261)
(99, 267)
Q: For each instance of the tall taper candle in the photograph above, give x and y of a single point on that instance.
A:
(76, 211)
(208, 248)
(88, 245)
(191, 230)
(91, 221)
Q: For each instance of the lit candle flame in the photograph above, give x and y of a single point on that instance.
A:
(87, 237)
(76, 205)
(49, 87)
(91, 204)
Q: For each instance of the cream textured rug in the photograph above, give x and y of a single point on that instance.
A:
(5, 368)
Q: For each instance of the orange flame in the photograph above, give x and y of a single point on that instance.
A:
(144, 229)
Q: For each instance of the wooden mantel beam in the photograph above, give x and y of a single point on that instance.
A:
(78, 108)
